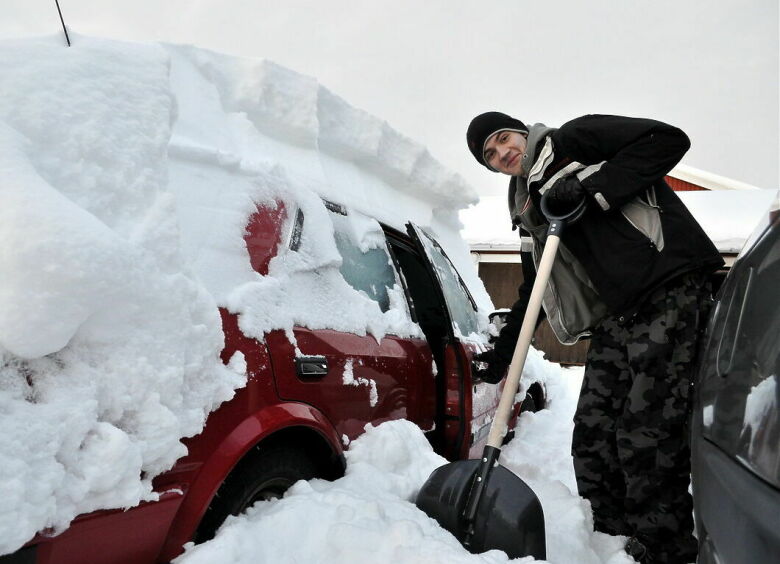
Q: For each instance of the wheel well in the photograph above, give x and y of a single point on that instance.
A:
(313, 447)
(330, 465)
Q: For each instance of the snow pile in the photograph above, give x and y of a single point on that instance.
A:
(540, 453)
(369, 516)
(127, 175)
(108, 348)
(264, 134)
(295, 110)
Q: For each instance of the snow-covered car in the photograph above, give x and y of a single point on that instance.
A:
(735, 443)
(215, 224)
(308, 394)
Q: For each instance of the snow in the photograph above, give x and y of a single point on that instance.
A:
(369, 515)
(488, 223)
(127, 174)
(727, 216)
(349, 380)
(109, 346)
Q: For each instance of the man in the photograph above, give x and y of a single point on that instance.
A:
(632, 274)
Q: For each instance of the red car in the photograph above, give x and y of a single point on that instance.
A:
(297, 413)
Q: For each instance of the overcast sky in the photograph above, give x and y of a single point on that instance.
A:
(428, 66)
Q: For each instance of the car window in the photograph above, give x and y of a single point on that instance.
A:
(367, 265)
(741, 395)
(757, 360)
(459, 301)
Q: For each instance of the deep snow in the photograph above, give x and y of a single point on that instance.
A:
(369, 515)
(127, 174)
(108, 344)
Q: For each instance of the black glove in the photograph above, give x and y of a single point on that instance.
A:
(566, 193)
(496, 367)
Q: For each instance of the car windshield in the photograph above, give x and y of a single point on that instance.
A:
(459, 301)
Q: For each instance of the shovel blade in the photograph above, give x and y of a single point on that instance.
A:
(508, 518)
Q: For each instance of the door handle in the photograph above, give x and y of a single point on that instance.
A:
(311, 367)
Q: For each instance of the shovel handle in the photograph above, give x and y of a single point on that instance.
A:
(498, 427)
(489, 460)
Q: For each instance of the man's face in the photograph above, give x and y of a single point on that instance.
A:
(504, 151)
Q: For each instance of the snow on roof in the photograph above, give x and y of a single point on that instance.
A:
(487, 224)
(727, 216)
(296, 109)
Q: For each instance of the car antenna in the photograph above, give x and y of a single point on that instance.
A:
(63, 22)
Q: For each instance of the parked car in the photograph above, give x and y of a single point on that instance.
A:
(736, 428)
(296, 415)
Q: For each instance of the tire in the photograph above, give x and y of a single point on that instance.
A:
(264, 474)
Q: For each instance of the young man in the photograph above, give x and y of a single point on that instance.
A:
(632, 274)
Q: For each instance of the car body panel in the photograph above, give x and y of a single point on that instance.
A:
(367, 381)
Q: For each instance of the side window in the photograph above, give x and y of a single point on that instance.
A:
(367, 265)
(264, 233)
(459, 301)
(741, 395)
(757, 362)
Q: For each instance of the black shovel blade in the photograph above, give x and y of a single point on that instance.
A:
(508, 518)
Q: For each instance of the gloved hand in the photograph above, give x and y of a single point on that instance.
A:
(496, 367)
(566, 192)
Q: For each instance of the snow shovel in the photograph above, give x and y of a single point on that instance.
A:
(482, 503)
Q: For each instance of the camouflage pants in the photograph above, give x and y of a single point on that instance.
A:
(630, 443)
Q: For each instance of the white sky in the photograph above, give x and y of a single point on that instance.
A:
(710, 67)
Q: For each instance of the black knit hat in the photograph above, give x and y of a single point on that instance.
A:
(485, 125)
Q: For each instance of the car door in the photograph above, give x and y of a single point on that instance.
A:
(354, 378)
(736, 439)
(469, 405)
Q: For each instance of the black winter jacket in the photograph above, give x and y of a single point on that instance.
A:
(630, 156)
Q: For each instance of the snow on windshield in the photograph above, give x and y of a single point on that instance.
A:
(129, 172)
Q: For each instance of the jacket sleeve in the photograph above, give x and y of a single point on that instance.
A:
(505, 344)
(627, 155)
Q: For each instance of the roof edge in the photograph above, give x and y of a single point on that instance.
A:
(707, 179)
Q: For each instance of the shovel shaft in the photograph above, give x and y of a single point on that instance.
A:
(498, 428)
(489, 460)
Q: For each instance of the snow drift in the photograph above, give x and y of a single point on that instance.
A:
(127, 172)
(369, 515)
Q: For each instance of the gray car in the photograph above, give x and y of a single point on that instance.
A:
(735, 443)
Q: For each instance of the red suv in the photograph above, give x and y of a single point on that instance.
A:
(305, 401)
